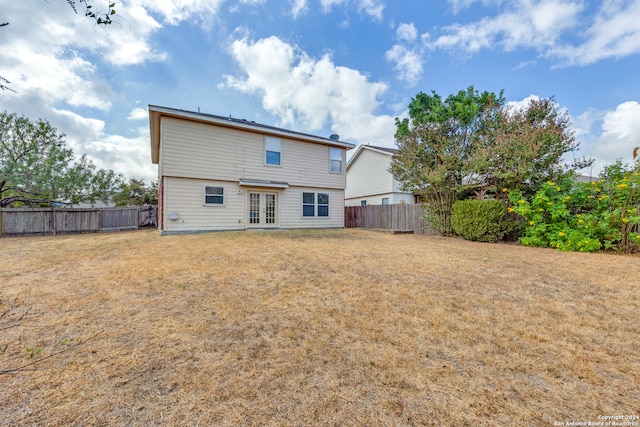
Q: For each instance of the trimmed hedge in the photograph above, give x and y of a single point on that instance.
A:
(480, 220)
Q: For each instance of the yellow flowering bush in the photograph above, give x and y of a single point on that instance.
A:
(572, 216)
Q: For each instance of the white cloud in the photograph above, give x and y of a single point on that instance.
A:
(522, 104)
(408, 63)
(176, 11)
(610, 135)
(458, 5)
(531, 24)
(138, 114)
(407, 54)
(556, 29)
(327, 5)
(620, 130)
(130, 157)
(310, 94)
(407, 32)
(614, 33)
(298, 8)
(373, 8)
(53, 58)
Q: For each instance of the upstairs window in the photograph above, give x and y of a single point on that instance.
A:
(213, 195)
(335, 159)
(272, 151)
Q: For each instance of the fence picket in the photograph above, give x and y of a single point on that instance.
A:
(387, 217)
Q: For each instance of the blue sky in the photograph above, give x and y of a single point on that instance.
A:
(318, 66)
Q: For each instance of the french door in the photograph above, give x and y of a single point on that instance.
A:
(262, 210)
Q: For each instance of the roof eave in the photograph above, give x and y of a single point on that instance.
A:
(155, 112)
(360, 149)
(154, 130)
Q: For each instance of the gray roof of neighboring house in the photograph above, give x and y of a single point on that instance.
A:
(586, 178)
(387, 149)
(362, 147)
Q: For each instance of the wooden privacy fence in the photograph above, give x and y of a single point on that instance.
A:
(19, 221)
(387, 217)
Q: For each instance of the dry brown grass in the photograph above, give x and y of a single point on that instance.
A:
(309, 328)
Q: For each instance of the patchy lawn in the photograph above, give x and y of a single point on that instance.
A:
(313, 328)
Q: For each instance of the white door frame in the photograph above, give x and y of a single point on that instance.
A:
(263, 210)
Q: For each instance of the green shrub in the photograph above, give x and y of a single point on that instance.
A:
(585, 217)
(480, 220)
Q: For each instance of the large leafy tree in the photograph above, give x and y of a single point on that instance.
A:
(135, 193)
(437, 145)
(473, 141)
(36, 169)
(523, 147)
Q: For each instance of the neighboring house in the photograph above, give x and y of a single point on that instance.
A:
(222, 173)
(369, 181)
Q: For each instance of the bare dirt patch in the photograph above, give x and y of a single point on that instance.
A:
(308, 328)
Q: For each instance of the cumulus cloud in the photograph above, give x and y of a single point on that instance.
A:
(56, 61)
(614, 33)
(407, 32)
(129, 156)
(407, 54)
(407, 63)
(556, 29)
(138, 114)
(537, 25)
(310, 93)
(523, 103)
(56, 71)
(620, 130)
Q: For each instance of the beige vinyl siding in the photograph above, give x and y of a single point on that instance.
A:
(376, 199)
(291, 209)
(399, 198)
(368, 175)
(202, 151)
(186, 197)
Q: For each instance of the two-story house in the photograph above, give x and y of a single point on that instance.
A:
(222, 173)
(369, 181)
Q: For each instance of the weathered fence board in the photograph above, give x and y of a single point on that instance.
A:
(16, 222)
(387, 217)
(120, 219)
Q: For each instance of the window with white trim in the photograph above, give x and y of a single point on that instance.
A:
(272, 151)
(385, 200)
(213, 195)
(335, 160)
(315, 204)
(323, 204)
